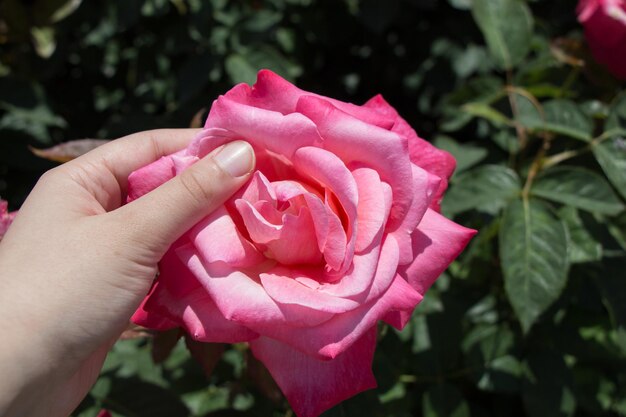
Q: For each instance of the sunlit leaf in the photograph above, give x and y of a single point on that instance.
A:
(578, 187)
(507, 27)
(583, 246)
(486, 188)
(533, 251)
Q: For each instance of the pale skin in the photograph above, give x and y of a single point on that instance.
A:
(76, 263)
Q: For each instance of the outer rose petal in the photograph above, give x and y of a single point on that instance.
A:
(273, 92)
(436, 243)
(422, 153)
(425, 185)
(177, 299)
(148, 178)
(355, 141)
(152, 175)
(151, 319)
(264, 129)
(313, 386)
(284, 286)
(329, 339)
(242, 299)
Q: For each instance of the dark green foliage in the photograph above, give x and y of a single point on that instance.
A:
(530, 321)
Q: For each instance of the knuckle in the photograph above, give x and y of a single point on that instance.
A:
(196, 185)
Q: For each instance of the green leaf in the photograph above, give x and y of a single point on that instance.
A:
(565, 117)
(611, 155)
(466, 154)
(66, 9)
(44, 41)
(583, 247)
(444, 400)
(533, 252)
(617, 228)
(240, 70)
(578, 187)
(617, 114)
(243, 66)
(487, 188)
(562, 117)
(507, 26)
(485, 111)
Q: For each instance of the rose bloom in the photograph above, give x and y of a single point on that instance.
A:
(337, 229)
(605, 29)
(6, 218)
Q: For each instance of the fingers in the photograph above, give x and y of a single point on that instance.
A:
(160, 217)
(125, 155)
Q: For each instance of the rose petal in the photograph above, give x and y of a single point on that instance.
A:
(422, 153)
(425, 186)
(273, 92)
(241, 298)
(355, 141)
(331, 237)
(147, 178)
(178, 299)
(151, 319)
(290, 243)
(436, 243)
(332, 337)
(216, 238)
(265, 130)
(259, 189)
(605, 31)
(374, 206)
(283, 286)
(313, 386)
(370, 275)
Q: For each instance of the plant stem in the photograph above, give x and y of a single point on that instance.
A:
(510, 88)
(536, 166)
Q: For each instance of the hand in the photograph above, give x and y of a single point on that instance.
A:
(76, 263)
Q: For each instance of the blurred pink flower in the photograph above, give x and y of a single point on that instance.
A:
(6, 218)
(605, 29)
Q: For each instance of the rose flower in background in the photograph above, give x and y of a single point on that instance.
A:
(337, 229)
(6, 218)
(605, 30)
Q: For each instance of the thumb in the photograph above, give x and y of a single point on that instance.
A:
(161, 216)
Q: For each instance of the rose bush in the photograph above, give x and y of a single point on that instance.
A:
(338, 228)
(605, 30)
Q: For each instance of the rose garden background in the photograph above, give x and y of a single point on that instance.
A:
(530, 321)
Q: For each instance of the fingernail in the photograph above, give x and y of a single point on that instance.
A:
(236, 158)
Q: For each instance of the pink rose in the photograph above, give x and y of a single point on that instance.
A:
(605, 29)
(6, 218)
(338, 228)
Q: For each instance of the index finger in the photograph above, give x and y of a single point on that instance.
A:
(132, 152)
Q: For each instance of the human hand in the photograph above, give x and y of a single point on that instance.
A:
(76, 263)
